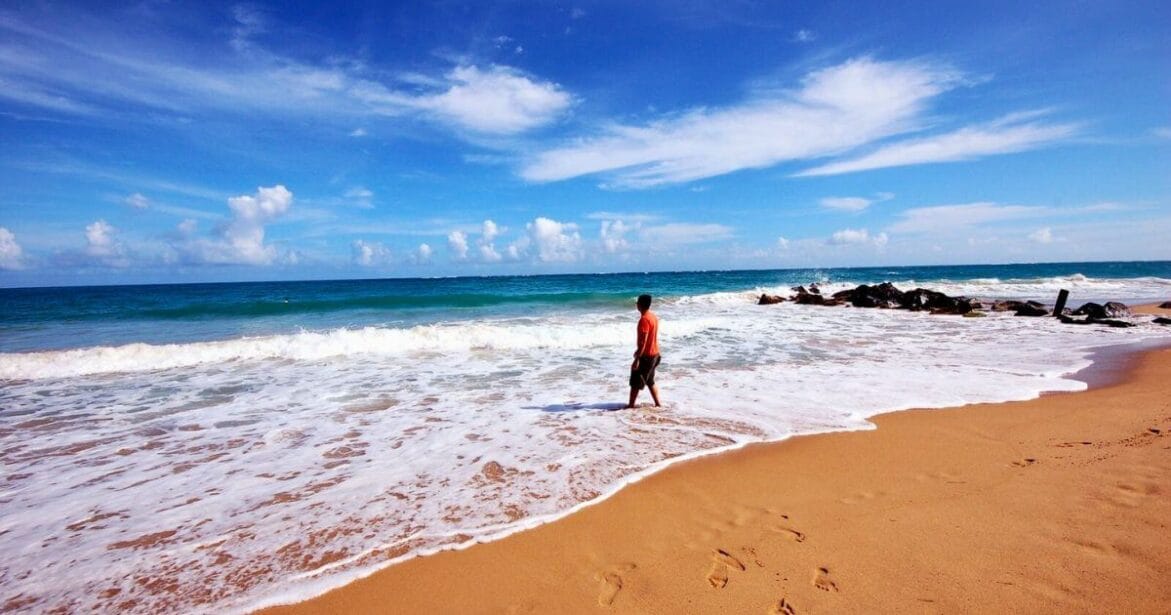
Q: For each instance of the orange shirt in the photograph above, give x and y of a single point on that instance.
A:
(649, 324)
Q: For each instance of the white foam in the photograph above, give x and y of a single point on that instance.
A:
(322, 456)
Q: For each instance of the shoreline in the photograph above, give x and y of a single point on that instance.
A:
(577, 561)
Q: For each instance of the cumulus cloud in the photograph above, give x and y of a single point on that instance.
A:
(370, 253)
(1013, 133)
(851, 236)
(137, 201)
(240, 240)
(497, 100)
(421, 255)
(457, 244)
(489, 230)
(555, 241)
(102, 245)
(613, 235)
(11, 254)
(1042, 235)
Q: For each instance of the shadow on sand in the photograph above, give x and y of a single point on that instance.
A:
(575, 406)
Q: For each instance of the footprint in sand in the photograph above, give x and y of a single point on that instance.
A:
(782, 607)
(722, 561)
(612, 583)
(790, 532)
(822, 580)
(1028, 461)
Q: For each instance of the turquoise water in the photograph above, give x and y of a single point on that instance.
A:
(238, 444)
(58, 318)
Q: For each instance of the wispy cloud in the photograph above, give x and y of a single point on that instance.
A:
(834, 110)
(853, 203)
(84, 73)
(942, 218)
(1013, 133)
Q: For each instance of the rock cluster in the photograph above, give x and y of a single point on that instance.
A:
(887, 296)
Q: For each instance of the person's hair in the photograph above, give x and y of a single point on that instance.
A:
(644, 302)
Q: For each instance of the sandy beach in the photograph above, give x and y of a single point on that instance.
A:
(1053, 505)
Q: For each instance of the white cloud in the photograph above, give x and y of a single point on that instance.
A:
(1163, 132)
(187, 227)
(457, 244)
(627, 217)
(555, 241)
(241, 239)
(834, 110)
(489, 254)
(851, 236)
(679, 233)
(782, 243)
(11, 254)
(943, 218)
(113, 69)
(1043, 235)
(489, 231)
(370, 253)
(853, 203)
(137, 201)
(102, 245)
(421, 255)
(613, 235)
(804, 36)
(499, 100)
(360, 197)
(1007, 135)
(845, 203)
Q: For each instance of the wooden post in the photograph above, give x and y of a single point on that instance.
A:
(1062, 296)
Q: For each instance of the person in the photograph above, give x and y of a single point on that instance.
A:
(646, 353)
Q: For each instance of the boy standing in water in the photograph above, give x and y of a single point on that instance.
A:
(646, 355)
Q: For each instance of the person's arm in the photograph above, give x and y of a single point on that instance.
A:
(644, 338)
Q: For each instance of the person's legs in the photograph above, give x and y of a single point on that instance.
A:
(633, 397)
(654, 395)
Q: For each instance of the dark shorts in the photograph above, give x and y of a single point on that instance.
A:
(645, 374)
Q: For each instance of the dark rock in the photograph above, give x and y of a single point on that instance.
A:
(813, 288)
(800, 290)
(1029, 309)
(1115, 309)
(1012, 306)
(884, 295)
(1162, 321)
(770, 299)
(808, 299)
(1166, 305)
(1112, 309)
(937, 302)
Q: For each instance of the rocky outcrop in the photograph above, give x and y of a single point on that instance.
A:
(1166, 305)
(1112, 309)
(770, 299)
(1162, 321)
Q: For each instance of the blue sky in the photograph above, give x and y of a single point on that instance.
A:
(174, 142)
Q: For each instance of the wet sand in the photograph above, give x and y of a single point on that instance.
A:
(1059, 504)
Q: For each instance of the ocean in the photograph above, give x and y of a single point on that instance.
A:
(218, 447)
